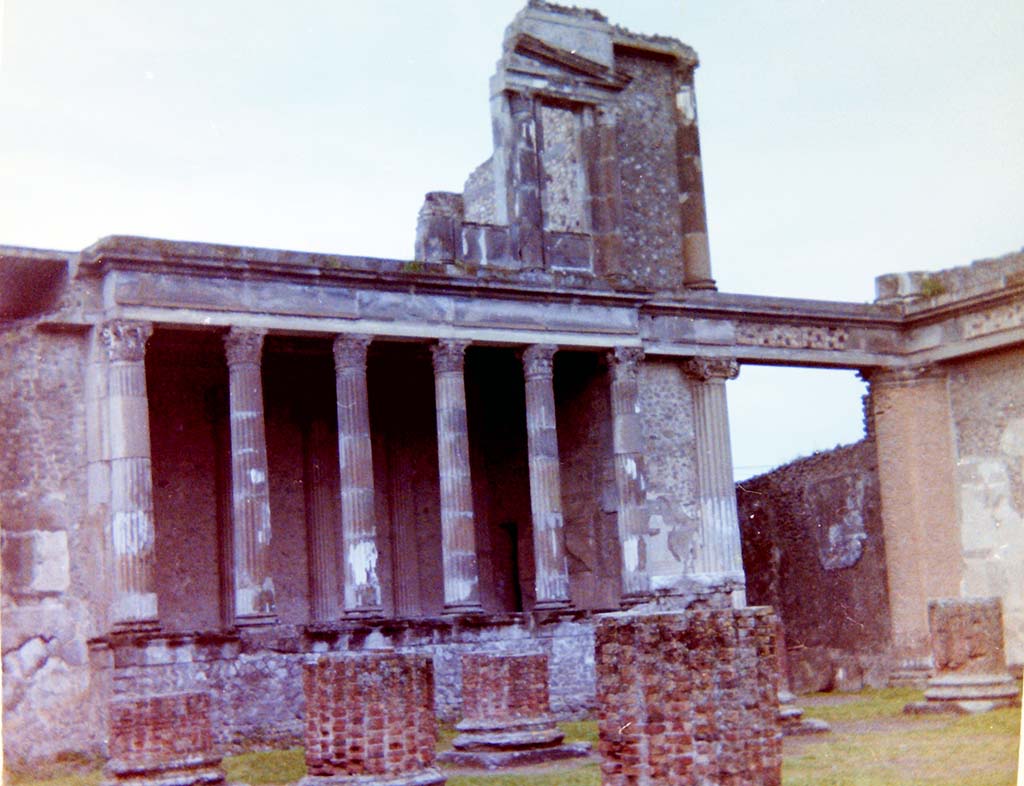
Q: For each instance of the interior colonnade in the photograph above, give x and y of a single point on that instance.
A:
(358, 563)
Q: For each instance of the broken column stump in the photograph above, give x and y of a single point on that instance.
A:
(370, 720)
(970, 663)
(506, 715)
(688, 698)
(162, 740)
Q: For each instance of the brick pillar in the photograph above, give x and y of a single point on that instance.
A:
(506, 716)
(720, 557)
(917, 486)
(552, 579)
(688, 698)
(321, 523)
(970, 661)
(370, 720)
(630, 483)
(131, 535)
(254, 583)
(526, 222)
(358, 519)
(162, 740)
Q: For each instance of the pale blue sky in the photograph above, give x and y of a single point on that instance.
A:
(841, 140)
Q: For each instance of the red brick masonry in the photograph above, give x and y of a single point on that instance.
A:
(370, 720)
(504, 687)
(506, 716)
(689, 698)
(165, 739)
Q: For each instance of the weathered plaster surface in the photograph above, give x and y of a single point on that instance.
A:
(987, 399)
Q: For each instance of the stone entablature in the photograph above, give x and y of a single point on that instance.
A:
(202, 284)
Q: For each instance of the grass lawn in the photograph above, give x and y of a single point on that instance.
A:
(872, 744)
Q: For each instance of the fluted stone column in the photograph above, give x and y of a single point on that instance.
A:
(254, 583)
(132, 534)
(458, 539)
(552, 570)
(719, 559)
(358, 522)
(630, 481)
(321, 523)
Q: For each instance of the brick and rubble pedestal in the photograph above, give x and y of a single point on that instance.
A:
(688, 698)
(163, 740)
(506, 718)
(970, 663)
(370, 721)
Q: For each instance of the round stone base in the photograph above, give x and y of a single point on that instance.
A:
(497, 759)
(427, 777)
(967, 693)
(187, 771)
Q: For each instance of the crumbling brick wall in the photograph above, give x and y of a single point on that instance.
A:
(369, 715)
(504, 688)
(689, 698)
(152, 729)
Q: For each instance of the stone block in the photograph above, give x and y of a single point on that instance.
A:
(163, 740)
(36, 562)
(688, 698)
(370, 720)
(970, 664)
(568, 250)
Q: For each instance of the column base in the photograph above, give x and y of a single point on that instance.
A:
(197, 770)
(492, 745)
(427, 777)
(367, 613)
(459, 609)
(136, 626)
(255, 620)
(635, 599)
(554, 604)
(967, 693)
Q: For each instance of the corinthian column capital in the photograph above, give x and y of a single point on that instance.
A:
(704, 369)
(449, 356)
(625, 361)
(350, 351)
(124, 340)
(538, 360)
(244, 345)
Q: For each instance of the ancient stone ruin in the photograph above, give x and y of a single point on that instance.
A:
(970, 665)
(223, 461)
(165, 739)
(688, 698)
(370, 719)
(506, 714)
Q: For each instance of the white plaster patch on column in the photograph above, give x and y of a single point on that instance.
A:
(687, 105)
(256, 476)
(132, 532)
(631, 552)
(362, 561)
